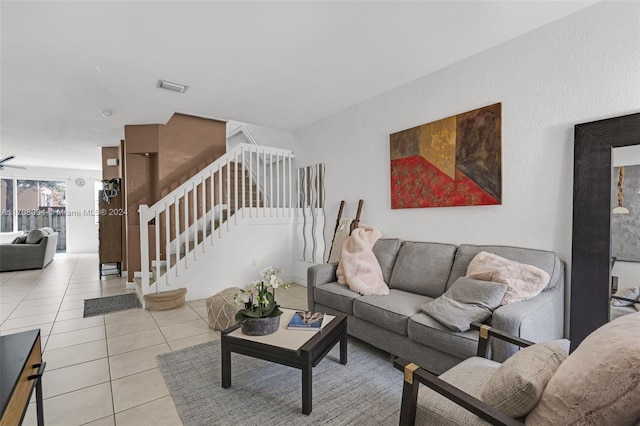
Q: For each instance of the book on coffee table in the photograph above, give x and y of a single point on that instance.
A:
(306, 320)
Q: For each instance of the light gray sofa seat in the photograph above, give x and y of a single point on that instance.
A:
(18, 257)
(337, 296)
(422, 328)
(421, 271)
(391, 311)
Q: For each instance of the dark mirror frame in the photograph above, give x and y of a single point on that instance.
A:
(591, 244)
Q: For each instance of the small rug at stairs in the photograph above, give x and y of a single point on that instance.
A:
(365, 391)
(105, 305)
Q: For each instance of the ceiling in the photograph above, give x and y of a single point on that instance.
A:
(277, 64)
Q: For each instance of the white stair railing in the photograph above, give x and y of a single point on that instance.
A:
(248, 181)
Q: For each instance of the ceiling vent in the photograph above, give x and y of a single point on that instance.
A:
(175, 87)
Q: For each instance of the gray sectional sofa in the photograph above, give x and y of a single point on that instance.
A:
(32, 251)
(418, 272)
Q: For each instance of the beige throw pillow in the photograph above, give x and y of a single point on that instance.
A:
(516, 387)
(523, 281)
(627, 293)
(599, 383)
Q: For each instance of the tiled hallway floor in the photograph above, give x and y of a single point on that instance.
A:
(102, 370)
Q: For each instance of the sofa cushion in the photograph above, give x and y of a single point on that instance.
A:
(386, 251)
(518, 384)
(599, 383)
(523, 281)
(8, 237)
(335, 295)
(423, 329)
(390, 312)
(545, 260)
(19, 240)
(470, 375)
(47, 230)
(422, 268)
(467, 300)
(35, 236)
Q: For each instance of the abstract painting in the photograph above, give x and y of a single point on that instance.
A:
(455, 161)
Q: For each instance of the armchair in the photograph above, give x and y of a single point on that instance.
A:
(599, 383)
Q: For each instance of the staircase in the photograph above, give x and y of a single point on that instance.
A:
(248, 184)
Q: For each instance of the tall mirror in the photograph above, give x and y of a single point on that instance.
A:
(591, 244)
(625, 230)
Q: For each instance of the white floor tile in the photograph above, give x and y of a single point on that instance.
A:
(76, 354)
(75, 377)
(57, 341)
(161, 412)
(138, 389)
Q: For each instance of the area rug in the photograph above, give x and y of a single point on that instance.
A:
(105, 305)
(365, 391)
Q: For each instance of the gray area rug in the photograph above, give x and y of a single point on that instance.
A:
(365, 391)
(105, 305)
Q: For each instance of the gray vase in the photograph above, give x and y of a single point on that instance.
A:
(260, 326)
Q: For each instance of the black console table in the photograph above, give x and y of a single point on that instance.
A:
(21, 369)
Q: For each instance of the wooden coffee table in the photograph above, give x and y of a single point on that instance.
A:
(301, 349)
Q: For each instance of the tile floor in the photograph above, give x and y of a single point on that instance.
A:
(102, 370)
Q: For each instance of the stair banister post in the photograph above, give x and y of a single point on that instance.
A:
(143, 211)
(176, 246)
(244, 201)
(235, 187)
(167, 244)
(220, 203)
(278, 180)
(194, 199)
(203, 209)
(228, 194)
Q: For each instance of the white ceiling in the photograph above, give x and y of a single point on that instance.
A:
(277, 64)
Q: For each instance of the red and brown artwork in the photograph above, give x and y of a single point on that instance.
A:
(455, 161)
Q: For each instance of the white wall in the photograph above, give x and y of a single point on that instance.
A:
(581, 68)
(265, 136)
(82, 231)
(237, 259)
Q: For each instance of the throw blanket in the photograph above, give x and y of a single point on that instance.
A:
(359, 267)
(523, 281)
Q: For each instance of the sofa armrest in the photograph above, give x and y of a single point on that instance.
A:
(16, 257)
(51, 242)
(537, 319)
(319, 274)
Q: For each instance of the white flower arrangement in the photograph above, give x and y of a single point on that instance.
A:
(258, 300)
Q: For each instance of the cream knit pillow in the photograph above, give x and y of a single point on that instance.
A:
(515, 388)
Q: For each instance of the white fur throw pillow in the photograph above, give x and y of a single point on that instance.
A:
(516, 387)
(359, 267)
(599, 383)
(523, 281)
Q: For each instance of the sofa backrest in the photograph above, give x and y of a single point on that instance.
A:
(386, 251)
(545, 260)
(431, 268)
(422, 268)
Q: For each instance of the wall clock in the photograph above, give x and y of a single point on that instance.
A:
(80, 182)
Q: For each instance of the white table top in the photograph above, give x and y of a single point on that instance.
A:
(284, 338)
